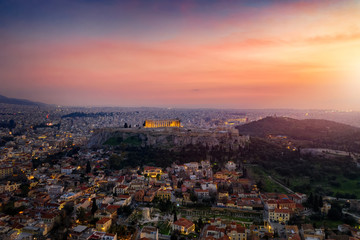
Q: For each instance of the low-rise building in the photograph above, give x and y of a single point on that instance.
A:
(9, 187)
(68, 170)
(152, 171)
(184, 226)
(55, 189)
(325, 208)
(209, 186)
(310, 233)
(164, 194)
(236, 232)
(123, 200)
(202, 194)
(103, 224)
(149, 196)
(150, 233)
(279, 215)
(292, 232)
(121, 189)
(270, 204)
(6, 171)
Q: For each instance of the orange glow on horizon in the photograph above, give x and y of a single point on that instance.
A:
(299, 55)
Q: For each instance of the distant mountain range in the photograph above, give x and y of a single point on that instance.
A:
(17, 101)
(320, 133)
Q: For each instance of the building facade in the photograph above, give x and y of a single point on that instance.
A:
(5, 172)
(162, 123)
(184, 226)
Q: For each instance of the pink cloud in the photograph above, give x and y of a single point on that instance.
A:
(253, 59)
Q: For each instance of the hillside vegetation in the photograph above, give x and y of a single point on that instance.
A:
(320, 133)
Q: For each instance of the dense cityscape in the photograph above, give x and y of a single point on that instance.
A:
(55, 184)
(179, 120)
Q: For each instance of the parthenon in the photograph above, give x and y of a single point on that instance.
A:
(162, 123)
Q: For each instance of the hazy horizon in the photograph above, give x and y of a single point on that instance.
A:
(194, 107)
(185, 54)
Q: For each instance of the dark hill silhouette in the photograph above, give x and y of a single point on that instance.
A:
(322, 133)
(17, 101)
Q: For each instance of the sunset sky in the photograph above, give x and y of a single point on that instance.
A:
(204, 53)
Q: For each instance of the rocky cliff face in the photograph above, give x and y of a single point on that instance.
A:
(168, 138)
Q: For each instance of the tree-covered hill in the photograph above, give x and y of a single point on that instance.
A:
(322, 133)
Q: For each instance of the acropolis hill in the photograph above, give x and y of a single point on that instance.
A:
(168, 137)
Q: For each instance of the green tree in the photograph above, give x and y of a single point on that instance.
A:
(12, 124)
(9, 209)
(25, 188)
(175, 215)
(69, 208)
(349, 220)
(93, 221)
(175, 235)
(199, 225)
(321, 202)
(316, 203)
(260, 184)
(125, 211)
(165, 206)
(94, 207)
(88, 167)
(310, 200)
(193, 197)
(179, 184)
(81, 214)
(335, 213)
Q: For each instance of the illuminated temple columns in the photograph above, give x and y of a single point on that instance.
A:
(162, 123)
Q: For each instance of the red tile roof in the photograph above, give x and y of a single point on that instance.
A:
(103, 220)
(277, 210)
(184, 223)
